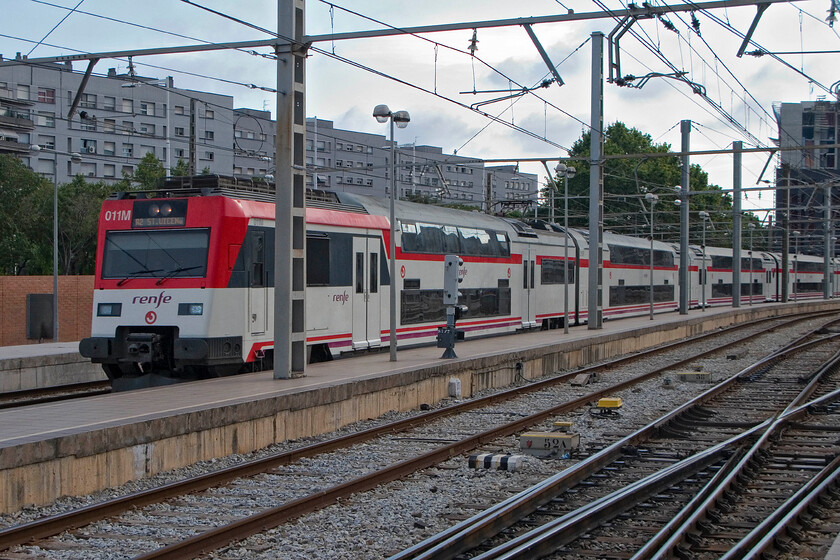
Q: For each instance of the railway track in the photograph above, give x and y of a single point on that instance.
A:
(27, 397)
(641, 489)
(138, 523)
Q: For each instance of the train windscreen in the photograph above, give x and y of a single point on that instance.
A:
(156, 254)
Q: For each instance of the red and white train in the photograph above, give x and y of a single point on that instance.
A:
(184, 278)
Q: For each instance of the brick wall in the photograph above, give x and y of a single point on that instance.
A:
(75, 304)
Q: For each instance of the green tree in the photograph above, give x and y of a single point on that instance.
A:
(181, 169)
(23, 218)
(79, 205)
(147, 176)
(627, 180)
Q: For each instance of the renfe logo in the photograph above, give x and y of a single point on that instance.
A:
(341, 297)
(157, 300)
(117, 215)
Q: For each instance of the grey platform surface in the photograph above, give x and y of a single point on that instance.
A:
(47, 421)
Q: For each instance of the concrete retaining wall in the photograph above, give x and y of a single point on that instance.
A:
(39, 473)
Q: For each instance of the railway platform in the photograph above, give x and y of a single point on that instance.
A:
(84, 445)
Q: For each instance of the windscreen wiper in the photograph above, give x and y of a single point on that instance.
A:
(173, 272)
(136, 273)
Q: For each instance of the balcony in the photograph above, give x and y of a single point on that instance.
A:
(15, 122)
(10, 146)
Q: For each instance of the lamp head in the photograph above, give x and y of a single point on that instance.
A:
(76, 157)
(382, 113)
(751, 226)
(652, 198)
(561, 168)
(401, 119)
(703, 214)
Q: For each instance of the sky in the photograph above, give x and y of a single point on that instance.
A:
(433, 77)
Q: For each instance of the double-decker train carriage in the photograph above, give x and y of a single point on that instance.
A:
(184, 283)
(627, 276)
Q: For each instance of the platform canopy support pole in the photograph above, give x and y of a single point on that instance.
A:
(596, 184)
(290, 207)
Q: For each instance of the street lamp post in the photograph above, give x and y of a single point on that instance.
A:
(703, 216)
(75, 158)
(751, 227)
(383, 114)
(652, 200)
(567, 173)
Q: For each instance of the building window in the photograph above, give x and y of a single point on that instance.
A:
(109, 103)
(179, 110)
(110, 125)
(87, 124)
(110, 170)
(179, 153)
(109, 148)
(23, 92)
(209, 114)
(209, 135)
(208, 155)
(46, 95)
(47, 142)
(46, 119)
(88, 101)
(127, 106)
(146, 150)
(148, 129)
(179, 131)
(127, 170)
(88, 146)
(237, 171)
(147, 108)
(128, 150)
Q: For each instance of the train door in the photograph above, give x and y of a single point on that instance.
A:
(257, 304)
(366, 293)
(529, 293)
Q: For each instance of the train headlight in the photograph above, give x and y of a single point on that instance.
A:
(108, 309)
(190, 309)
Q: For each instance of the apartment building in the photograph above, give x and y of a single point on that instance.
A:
(120, 117)
(807, 174)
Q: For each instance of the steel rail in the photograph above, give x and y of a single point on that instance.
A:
(829, 477)
(222, 536)
(56, 524)
(547, 538)
(676, 532)
(41, 395)
(477, 529)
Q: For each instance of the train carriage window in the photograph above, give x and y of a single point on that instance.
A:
(257, 279)
(156, 253)
(503, 244)
(409, 237)
(451, 241)
(525, 274)
(430, 238)
(317, 261)
(374, 270)
(554, 271)
(360, 273)
(533, 263)
(720, 261)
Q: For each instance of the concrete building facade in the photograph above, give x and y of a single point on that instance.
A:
(807, 174)
(122, 117)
